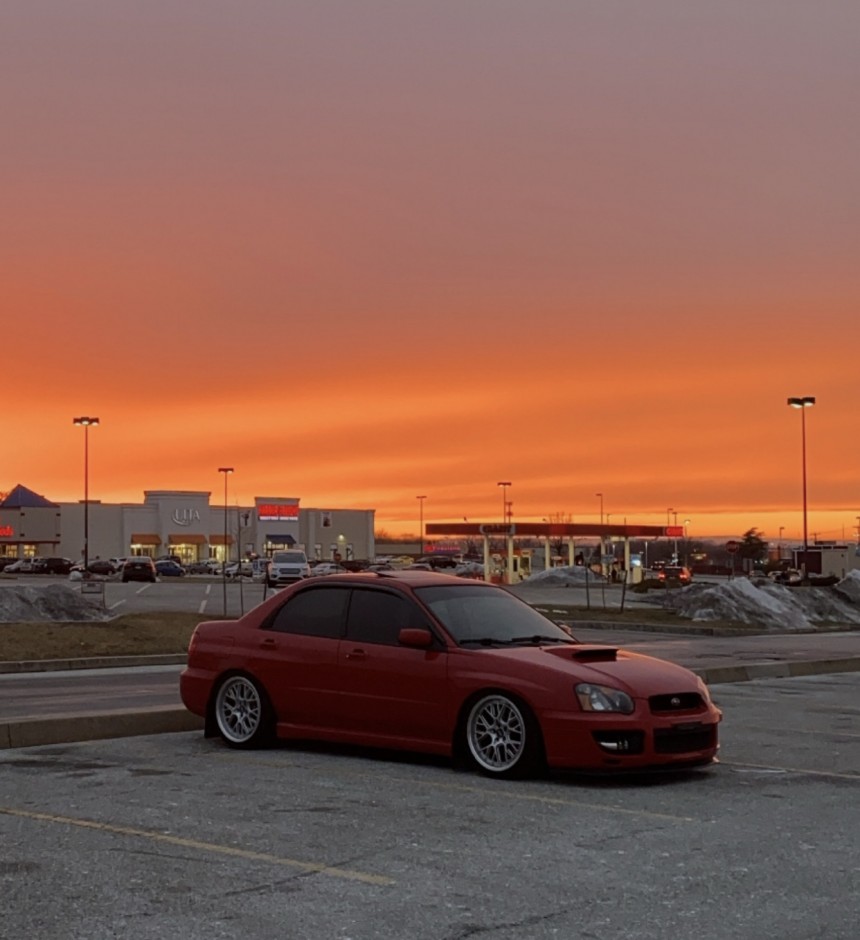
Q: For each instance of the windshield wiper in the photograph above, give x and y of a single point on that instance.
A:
(539, 638)
(484, 641)
(510, 641)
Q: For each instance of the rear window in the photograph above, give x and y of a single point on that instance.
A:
(289, 558)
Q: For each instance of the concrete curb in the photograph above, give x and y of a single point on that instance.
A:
(91, 662)
(126, 723)
(783, 669)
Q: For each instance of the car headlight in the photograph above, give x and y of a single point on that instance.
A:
(602, 698)
(703, 689)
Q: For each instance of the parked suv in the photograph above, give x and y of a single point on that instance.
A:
(287, 567)
(139, 568)
(53, 565)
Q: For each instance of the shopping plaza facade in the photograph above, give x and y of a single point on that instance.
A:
(183, 523)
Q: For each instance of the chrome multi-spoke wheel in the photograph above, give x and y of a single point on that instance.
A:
(241, 712)
(500, 736)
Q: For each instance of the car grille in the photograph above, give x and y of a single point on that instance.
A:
(621, 742)
(677, 702)
(684, 740)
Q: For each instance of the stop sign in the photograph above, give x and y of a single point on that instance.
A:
(732, 546)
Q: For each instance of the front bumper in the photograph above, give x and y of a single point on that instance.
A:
(587, 741)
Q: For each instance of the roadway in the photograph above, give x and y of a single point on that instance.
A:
(174, 834)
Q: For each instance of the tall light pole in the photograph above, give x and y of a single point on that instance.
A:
(86, 423)
(504, 484)
(421, 522)
(600, 497)
(686, 544)
(226, 471)
(779, 544)
(807, 401)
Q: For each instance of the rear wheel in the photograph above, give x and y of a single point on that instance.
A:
(243, 714)
(502, 737)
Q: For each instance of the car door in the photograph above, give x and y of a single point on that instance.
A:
(391, 691)
(297, 657)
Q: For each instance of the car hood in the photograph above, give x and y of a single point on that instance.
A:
(638, 675)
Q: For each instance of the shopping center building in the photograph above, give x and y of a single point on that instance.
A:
(182, 523)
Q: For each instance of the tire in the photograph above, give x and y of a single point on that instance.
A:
(502, 738)
(243, 715)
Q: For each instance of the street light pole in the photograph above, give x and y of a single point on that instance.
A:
(421, 523)
(807, 401)
(504, 484)
(226, 471)
(86, 423)
(600, 497)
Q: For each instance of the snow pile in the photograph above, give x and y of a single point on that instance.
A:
(762, 602)
(22, 604)
(849, 586)
(573, 575)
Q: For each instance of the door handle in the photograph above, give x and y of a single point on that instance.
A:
(269, 643)
(356, 654)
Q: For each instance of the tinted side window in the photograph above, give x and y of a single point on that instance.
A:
(378, 617)
(319, 612)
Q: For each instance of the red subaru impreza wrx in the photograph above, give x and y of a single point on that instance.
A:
(422, 661)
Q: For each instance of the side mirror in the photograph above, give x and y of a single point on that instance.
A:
(416, 637)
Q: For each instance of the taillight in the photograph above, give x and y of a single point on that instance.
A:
(192, 643)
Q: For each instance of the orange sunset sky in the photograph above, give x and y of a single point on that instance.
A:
(362, 251)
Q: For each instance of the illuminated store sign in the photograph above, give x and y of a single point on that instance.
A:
(6, 532)
(278, 512)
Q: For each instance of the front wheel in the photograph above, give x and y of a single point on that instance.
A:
(502, 737)
(242, 713)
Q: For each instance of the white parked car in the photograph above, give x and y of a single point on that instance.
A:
(21, 566)
(287, 568)
(328, 567)
(234, 569)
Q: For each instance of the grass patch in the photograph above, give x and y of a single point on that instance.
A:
(128, 635)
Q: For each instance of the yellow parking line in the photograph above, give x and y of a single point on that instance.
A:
(793, 770)
(314, 867)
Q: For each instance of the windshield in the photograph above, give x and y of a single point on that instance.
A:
(480, 615)
(280, 558)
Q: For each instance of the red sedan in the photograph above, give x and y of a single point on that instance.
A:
(428, 662)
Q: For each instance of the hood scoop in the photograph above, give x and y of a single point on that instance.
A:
(595, 654)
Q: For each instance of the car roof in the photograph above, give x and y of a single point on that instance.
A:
(412, 578)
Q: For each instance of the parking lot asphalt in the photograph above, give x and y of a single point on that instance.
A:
(718, 659)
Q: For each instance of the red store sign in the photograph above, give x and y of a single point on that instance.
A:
(278, 512)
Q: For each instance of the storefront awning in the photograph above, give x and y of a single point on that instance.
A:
(182, 538)
(286, 539)
(219, 540)
(145, 538)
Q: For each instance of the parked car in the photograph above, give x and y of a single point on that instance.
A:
(139, 568)
(198, 567)
(327, 567)
(101, 566)
(235, 569)
(430, 662)
(169, 569)
(6, 560)
(53, 565)
(22, 566)
(675, 573)
(287, 567)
